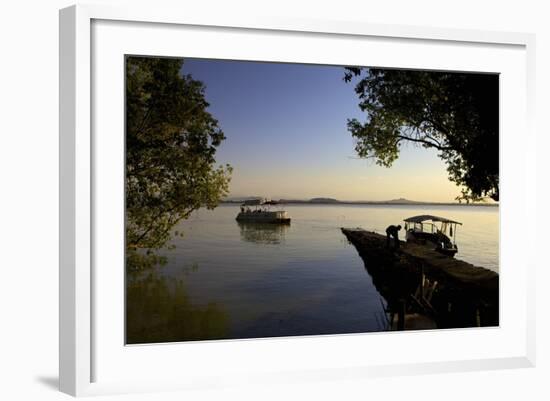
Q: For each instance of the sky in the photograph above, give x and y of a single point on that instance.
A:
(286, 136)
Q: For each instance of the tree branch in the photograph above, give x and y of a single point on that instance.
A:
(423, 141)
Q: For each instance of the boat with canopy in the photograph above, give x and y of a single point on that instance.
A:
(433, 231)
(259, 211)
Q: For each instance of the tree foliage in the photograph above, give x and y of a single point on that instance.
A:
(171, 141)
(454, 113)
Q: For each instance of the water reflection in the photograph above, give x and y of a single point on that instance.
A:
(270, 280)
(262, 233)
(158, 309)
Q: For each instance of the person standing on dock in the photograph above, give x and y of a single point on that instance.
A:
(393, 231)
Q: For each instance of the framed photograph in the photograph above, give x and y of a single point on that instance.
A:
(248, 199)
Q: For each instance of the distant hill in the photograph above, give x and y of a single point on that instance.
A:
(403, 201)
(324, 200)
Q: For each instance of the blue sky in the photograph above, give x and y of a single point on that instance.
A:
(286, 136)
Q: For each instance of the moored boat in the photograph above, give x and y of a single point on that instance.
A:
(436, 232)
(259, 211)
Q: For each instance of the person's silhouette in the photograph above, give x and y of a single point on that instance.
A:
(393, 231)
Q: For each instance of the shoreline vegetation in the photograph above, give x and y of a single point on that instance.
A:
(331, 201)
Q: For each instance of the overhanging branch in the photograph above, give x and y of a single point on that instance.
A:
(424, 142)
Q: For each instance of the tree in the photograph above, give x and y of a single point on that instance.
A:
(171, 140)
(454, 113)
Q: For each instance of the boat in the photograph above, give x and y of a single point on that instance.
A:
(436, 232)
(259, 211)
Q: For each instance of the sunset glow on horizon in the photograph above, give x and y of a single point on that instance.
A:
(286, 136)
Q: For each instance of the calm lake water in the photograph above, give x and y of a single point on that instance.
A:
(227, 280)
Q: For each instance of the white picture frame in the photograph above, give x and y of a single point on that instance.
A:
(79, 225)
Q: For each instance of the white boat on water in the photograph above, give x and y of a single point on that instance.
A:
(259, 211)
(436, 232)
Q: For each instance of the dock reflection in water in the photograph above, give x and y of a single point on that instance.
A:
(263, 233)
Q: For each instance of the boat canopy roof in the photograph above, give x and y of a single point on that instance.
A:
(428, 217)
(257, 202)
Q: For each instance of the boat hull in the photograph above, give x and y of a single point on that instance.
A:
(278, 217)
(432, 241)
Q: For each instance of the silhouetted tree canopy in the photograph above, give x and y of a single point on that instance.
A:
(171, 140)
(455, 113)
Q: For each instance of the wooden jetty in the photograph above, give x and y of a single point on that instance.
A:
(415, 279)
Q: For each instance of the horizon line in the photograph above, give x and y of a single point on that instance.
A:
(324, 199)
